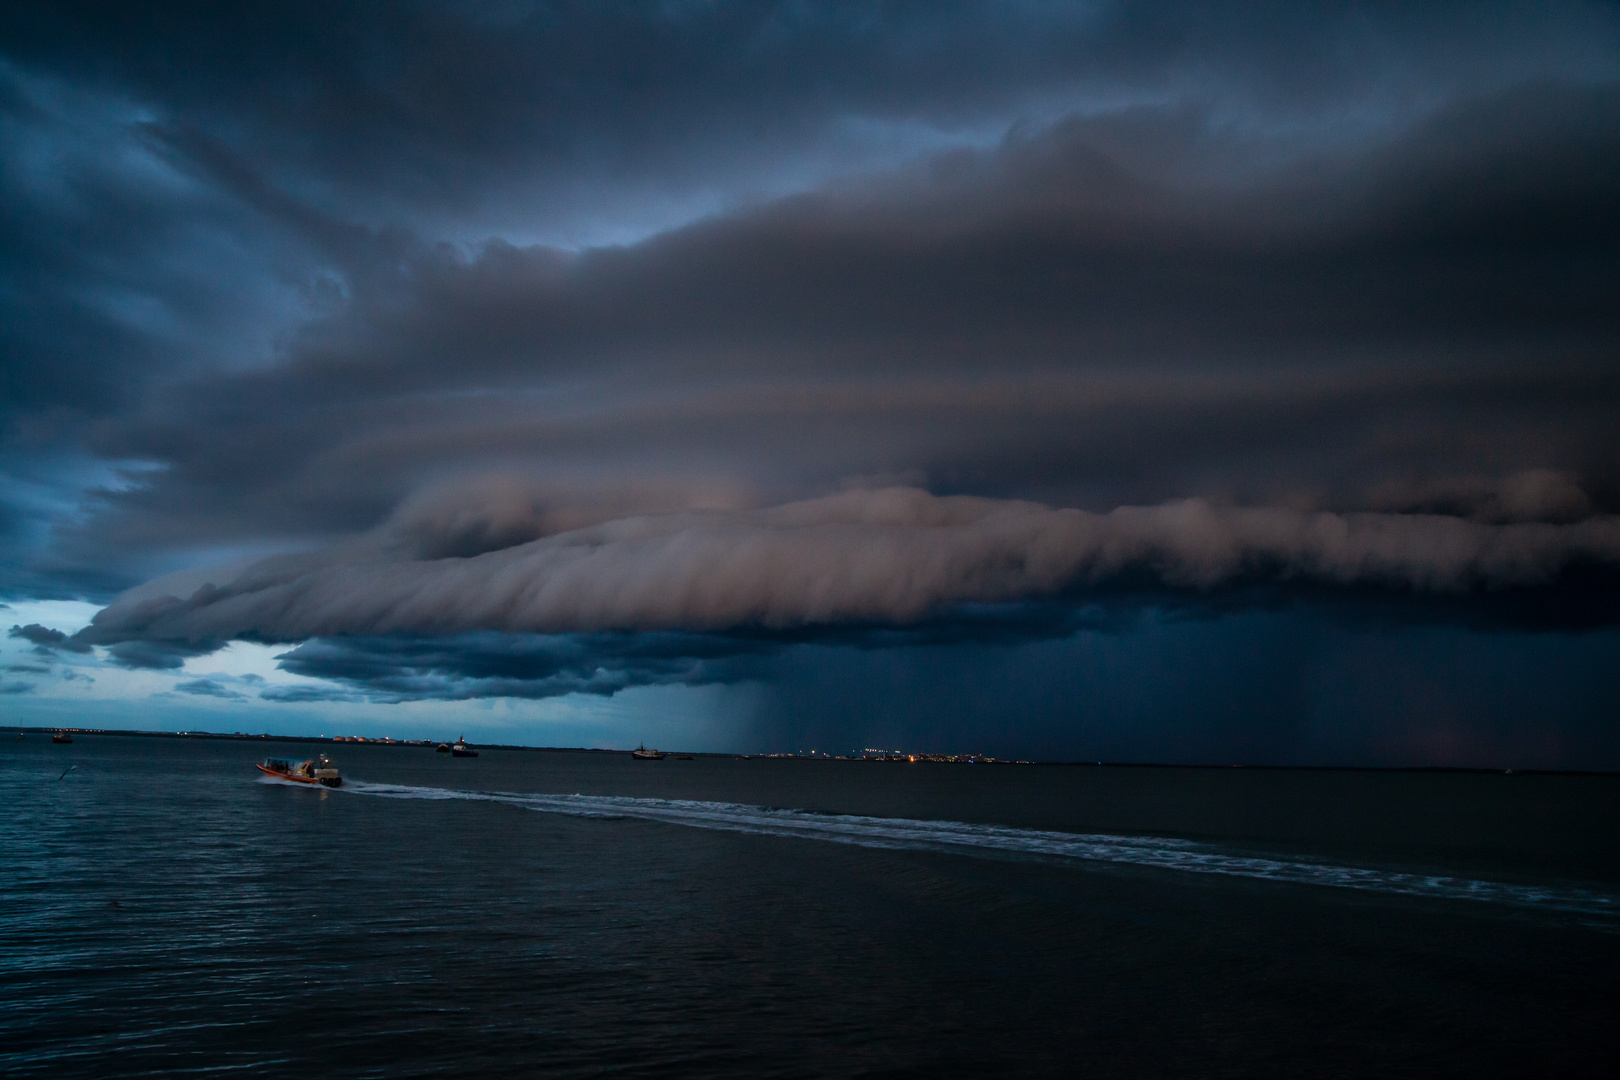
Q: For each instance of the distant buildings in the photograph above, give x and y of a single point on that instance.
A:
(870, 754)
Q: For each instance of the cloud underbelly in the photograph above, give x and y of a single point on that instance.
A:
(892, 556)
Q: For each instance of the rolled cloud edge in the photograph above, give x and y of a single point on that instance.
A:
(897, 558)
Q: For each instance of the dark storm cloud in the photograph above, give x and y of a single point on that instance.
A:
(158, 655)
(894, 556)
(942, 654)
(1343, 340)
(208, 688)
(484, 664)
(1196, 309)
(307, 694)
(45, 637)
(529, 666)
(119, 267)
(1427, 325)
(454, 112)
(118, 273)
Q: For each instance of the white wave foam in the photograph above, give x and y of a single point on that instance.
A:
(967, 838)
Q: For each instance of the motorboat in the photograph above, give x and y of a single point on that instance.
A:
(317, 770)
(61, 737)
(461, 749)
(641, 753)
(442, 748)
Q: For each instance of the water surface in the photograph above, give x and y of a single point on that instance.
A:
(163, 911)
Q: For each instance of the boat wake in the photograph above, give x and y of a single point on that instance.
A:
(276, 781)
(996, 840)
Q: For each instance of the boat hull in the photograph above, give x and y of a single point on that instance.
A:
(324, 781)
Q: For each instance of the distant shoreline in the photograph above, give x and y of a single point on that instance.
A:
(930, 759)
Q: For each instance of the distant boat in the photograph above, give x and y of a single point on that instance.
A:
(641, 753)
(442, 748)
(61, 737)
(461, 749)
(317, 770)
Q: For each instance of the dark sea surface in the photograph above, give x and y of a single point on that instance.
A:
(165, 912)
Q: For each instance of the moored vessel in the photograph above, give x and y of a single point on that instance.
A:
(61, 737)
(641, 753)
(317, 770)
(461, 749)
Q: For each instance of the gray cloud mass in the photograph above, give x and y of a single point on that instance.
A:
(896, 555)
(46, 638)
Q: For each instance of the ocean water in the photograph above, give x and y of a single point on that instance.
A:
(164, 911)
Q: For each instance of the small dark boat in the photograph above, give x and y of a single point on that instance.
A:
(61, 737)
(442, 748)
(641, 753)
(317, 770)
(461, 749)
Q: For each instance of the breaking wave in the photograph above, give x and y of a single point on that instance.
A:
(972, 839)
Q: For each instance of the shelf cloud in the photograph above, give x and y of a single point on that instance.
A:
(890, 556)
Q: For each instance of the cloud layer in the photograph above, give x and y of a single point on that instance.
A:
(1423, 326)
(891, 556)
